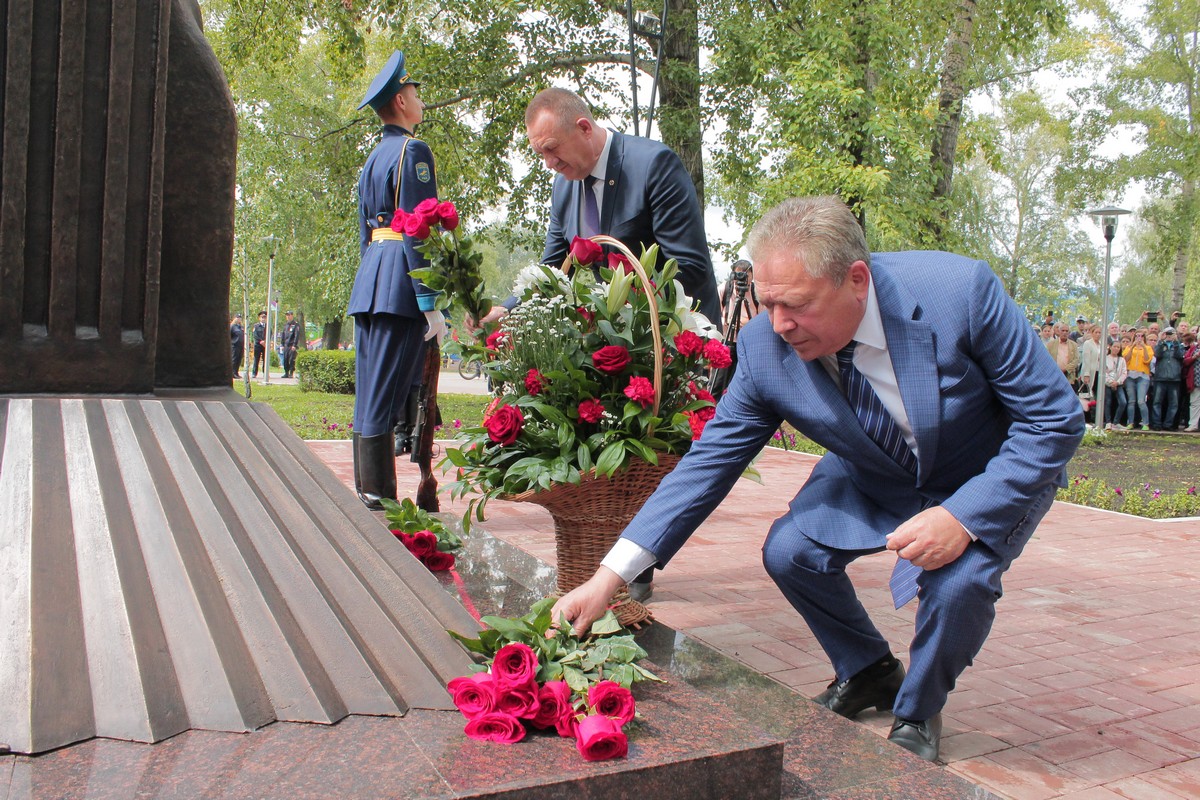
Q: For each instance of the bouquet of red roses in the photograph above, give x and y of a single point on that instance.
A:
(424, 535)
(531, 680)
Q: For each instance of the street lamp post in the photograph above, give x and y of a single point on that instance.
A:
(269, 344)
(1106, 217)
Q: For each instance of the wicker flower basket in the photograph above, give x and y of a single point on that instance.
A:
(589, 516)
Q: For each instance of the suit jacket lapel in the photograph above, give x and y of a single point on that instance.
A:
(910, 345)
(612, 180)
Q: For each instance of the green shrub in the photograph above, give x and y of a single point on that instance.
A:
(329, 371)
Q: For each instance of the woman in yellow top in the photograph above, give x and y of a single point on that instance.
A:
(1137, 360)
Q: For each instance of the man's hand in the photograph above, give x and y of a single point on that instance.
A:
(494, 315)
(585, 604)
(929, 540)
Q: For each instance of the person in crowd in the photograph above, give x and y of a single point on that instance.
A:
(1047, 333)
(947, 432)
(393, 313)
(289, 341)
(1191, 376)
(1114, 333)
(1168, 375)
(1115, 373)
(1137, 357)
(1079, 335)
(260, 342)
(1090, 354)
(1064, 352)
(237, 342)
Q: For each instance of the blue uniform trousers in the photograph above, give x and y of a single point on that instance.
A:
(387, 361)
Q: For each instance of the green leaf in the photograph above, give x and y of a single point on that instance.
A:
(575, 679)
(611, 458)
(606, 624)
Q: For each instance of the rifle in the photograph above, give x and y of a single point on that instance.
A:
(427, 420)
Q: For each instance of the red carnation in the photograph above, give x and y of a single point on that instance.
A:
(448, 214)
(611, 359)
(591, 410)
(640, 390)
(688, 344)
(495, 339)
(717, 354)
(696, 422)
(534, 382)
(505, 424)
(585, 251)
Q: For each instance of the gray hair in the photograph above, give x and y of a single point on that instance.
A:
(562, 104)
(821, 231)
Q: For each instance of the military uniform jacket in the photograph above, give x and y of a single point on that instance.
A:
(382, 285)
(260, 332)
(291, 334)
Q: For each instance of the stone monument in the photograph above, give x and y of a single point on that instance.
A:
(171, 556)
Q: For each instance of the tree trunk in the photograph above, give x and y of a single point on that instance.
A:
(331, 334)
(678, 112)
(955, 60)
(860, 117)
(1183, 247)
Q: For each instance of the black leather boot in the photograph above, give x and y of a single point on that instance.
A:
(376, 470)
(354, 437)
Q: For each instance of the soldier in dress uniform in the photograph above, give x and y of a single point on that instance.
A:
(290, 341)
(393, 313)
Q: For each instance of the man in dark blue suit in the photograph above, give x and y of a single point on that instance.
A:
(393, 313)
(980, 427)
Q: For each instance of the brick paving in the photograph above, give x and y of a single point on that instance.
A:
(1088, 688)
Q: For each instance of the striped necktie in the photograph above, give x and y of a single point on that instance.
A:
(883, 430)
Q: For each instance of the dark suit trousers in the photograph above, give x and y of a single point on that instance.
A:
(387, 357)
(954, 616)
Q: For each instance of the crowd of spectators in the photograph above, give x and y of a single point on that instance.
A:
(1149, 373)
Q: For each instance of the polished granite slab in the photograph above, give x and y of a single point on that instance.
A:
(713, 732)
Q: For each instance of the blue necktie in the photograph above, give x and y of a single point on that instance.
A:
(883, 430)
(591, 213)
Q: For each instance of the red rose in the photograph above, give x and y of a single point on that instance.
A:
(591, 411)
(416, 226)
(640, 390)
(697, 424)
(496, 727)
(473, 694)
(423, 543)
(448, 214)
(428, 208)
(439, 561)
(515, 664)
(611, 359)
(520, 701)
(505, 424)
(688, 344)
(717, 354)
(554, 703)
(398, 220)
(612, 700)
(405, 538)
(598, 738)
(533, 381)
(620, 261)
(495, 339)
(585, 251)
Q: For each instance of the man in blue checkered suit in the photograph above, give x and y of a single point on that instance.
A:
(967, 382)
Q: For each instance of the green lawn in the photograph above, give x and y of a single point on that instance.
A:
(1152, 476)
(319, 415)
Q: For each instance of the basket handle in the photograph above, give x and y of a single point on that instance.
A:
(655, 325)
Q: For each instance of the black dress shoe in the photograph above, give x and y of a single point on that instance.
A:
(919, 738)
(876, 685)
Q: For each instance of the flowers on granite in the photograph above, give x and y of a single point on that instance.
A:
(422, 534)
(536, 676)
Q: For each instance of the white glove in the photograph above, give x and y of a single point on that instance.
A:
(437, 326)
